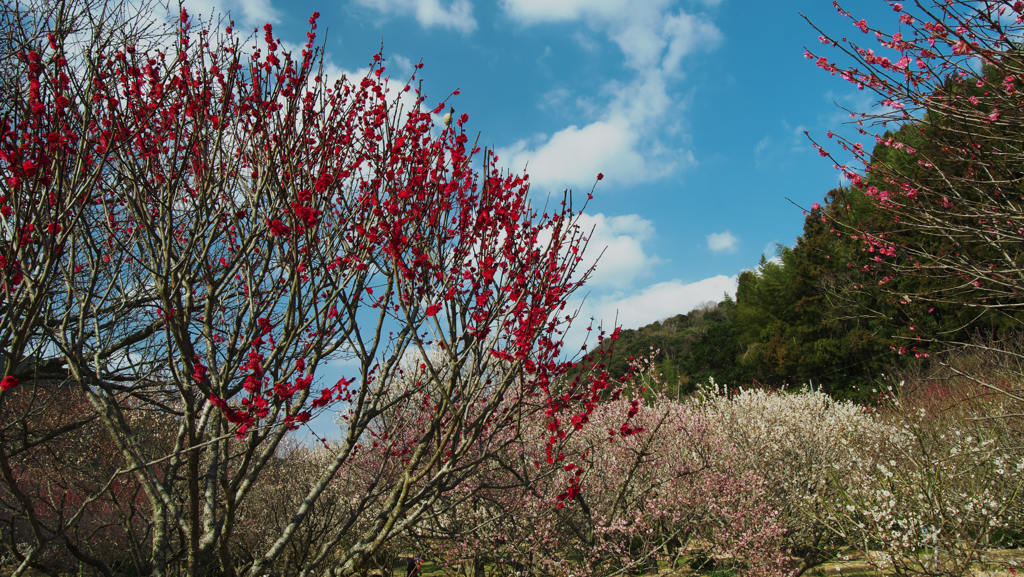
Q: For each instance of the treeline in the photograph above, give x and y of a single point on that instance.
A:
(833, 311)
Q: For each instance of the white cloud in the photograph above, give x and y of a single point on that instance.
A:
(405, 66)
(248, 13)
(775, 151)
(759, 151)
(554, 99)
(661, 300)
(642, 48)
(622, 141)
(621, 239)
(458, 15)
(642, 101)
(688, 33)
(722, 242)
(258, 12)
(584, 41)
(537, 11)
(643, 29)
(622, 145)
(763, 144)
(574, 156)
(651, 39)
(798, 137)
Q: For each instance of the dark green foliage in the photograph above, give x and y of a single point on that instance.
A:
(794, 330)
(950, 210)
(795, 321)
(680, 346)
(715, 353)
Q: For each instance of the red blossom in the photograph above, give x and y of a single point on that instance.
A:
(323, 182)
(227, 231)
(278, 228)
(8, 383)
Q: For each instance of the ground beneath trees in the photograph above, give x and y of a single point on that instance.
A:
(997, 563)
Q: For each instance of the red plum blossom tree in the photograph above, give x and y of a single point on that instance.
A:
(192, 229)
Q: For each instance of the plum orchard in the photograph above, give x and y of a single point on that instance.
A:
(190, 232)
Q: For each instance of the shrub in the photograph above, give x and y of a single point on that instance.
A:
(798, 443)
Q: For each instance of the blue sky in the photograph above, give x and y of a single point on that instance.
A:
(694, 110)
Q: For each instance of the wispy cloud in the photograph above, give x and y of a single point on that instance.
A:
(623, 140)
(574, 156)
(762, 146)
(722, 242)
(619, 240)
(247, 13)
(456, 15)
(555, 99)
